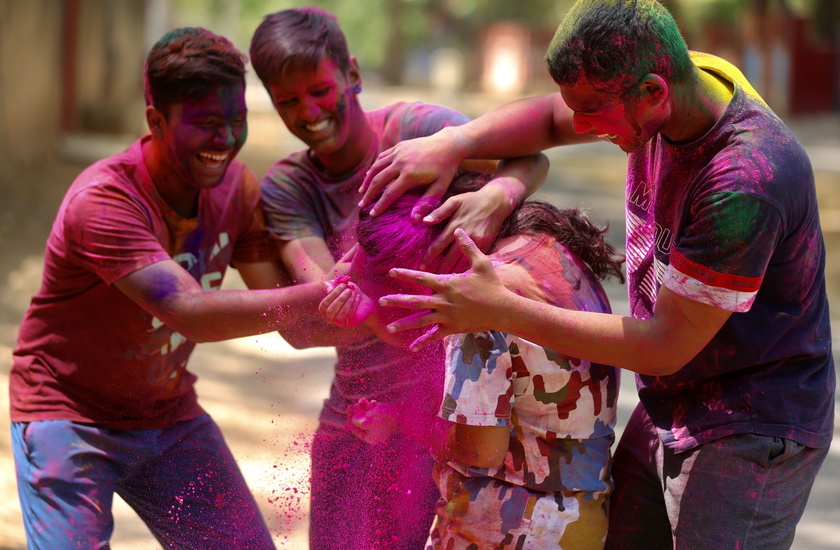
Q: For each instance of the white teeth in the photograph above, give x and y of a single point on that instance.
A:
(318, 126)
(213, 160)
(214, 157)
(218, 157)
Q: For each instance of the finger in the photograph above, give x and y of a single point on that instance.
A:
(333, 311)
(382, 161)
(365, 404)
(441, 245)
(377, 184)
(415, 320)
(360, 421)
(327, 287)
(444, 211)
(428, 337)
(452, 257)
(394, 190)
(413, 276)
(428, 200)
(408, 301)
(347, 310)
(339, 271)
(330, 297)
(361, 434)
(469, 248)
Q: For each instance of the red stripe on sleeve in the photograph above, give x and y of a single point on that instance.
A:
(713, 278)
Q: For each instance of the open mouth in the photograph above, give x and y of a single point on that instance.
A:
(318, 126)
(610, 137)
(213, 160)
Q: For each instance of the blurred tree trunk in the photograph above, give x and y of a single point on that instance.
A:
(826, 20)
(395, 50)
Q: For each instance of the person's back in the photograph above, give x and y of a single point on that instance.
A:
(553, 487)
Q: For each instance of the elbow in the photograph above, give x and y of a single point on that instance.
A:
(542, 164)
(189, 331)
(298, 341)
(664, 363)
(479, 459)
(664, 369)
(488, 461)
(197, 336)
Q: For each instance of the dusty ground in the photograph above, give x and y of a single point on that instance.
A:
(266, 396)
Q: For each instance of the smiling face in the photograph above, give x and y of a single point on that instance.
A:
(198, 138)
(627, 122)
(318, 105)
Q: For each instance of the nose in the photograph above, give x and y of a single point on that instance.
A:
(309, 109)
(579, 124)
(225, 135)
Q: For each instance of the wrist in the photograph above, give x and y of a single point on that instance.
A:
(507, 192)
(455, 142)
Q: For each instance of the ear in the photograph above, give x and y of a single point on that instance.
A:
(354, 75)
(155, 120)
(653, 89)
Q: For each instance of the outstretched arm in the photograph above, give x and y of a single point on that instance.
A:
(171, 294)
(477, 301)
(518, 129)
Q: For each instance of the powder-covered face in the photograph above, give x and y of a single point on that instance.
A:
(608, 116)
(318, 105)
(201, 136)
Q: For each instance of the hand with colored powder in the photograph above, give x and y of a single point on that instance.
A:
(371, 421)
(344, 304)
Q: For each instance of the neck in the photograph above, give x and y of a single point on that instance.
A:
(180, 197)
(697, 107)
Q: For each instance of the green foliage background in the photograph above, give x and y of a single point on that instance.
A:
(383, 33)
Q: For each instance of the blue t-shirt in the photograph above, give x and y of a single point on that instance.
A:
(731, 220)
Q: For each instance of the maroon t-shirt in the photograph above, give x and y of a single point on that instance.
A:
(88, 353)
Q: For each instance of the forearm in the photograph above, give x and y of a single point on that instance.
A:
(291, 311)
(213, 315)
(642, 346)
(519, 178)
(310, 333)
(517, 129)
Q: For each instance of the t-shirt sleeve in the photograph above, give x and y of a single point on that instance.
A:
(290, 204)
(478, 388)
(721, 257)
(421, 119)
(110, 234)
(254, 244)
